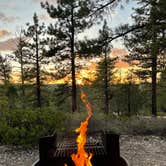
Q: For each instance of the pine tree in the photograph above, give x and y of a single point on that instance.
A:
(35, 33)
(106, 67)
(146, 44)
(21, 55)
(8, 91)
(5, 70)
(71, 19)
(161, 91)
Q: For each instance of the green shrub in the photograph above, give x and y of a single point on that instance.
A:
(25, 127)
(146, 126)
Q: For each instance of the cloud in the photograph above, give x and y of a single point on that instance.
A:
(8, 19)
(45, 17)
(121, 64)
(8, 45)
(4, 33)
(38, 1)
(118, 52)
(8, 4)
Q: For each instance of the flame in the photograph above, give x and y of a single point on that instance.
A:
(82, 158)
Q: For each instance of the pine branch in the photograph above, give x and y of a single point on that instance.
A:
(102, 7)
(125, 33)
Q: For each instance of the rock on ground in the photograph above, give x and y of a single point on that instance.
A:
(138, 150)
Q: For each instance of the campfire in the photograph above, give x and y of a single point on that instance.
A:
(82, 158)
(92, 149)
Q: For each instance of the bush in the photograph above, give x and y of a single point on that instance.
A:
(25, 127)
(147, 126)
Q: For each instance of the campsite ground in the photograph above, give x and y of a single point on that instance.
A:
(138, 150)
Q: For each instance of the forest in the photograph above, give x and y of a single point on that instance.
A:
(34, 104)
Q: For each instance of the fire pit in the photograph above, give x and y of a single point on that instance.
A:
(56, 150)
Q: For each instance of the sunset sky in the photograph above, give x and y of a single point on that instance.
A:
(14, 14)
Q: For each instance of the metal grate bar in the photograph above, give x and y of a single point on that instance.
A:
(68, 146)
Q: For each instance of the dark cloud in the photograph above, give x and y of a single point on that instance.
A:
(8, 45)
(4, 33)
(9, 19)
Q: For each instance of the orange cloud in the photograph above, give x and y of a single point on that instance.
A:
(4, 33)
(87, 74)
(118, 52)
(121, 64)
(8, 45)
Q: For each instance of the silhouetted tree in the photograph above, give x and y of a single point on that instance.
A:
(106, 67)
(21, 55)
(162, 91)
(71, 19)
(5, 69)
(146, 44)
(35, 33)
(8, 91)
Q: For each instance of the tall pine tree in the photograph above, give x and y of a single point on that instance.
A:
(106, 67)
(36, 45)
(21, 55)
(71, 18)
(146, 44)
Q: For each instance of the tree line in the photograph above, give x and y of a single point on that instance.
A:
(39, 45)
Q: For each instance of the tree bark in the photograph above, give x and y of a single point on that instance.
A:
(74, 90)
(154, 103)
(154, 76)
(106, 84)
(38, 90)
(22, 76)
(4, 73)
(129, 100)
(154, 52)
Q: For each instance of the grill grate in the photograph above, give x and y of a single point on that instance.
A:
(56, 150)
(93, 145)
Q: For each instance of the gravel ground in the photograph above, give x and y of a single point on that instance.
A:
(144, 150)
(9, 156)
(138, 150)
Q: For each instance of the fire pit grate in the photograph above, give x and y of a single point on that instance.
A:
(56, 150)
(93, 145)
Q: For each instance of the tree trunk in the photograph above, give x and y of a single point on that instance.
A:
(154, 52)
(154, 103)
(129, 100)
(4, 74)
(106, 84)
(38, 90)
(74, 90)
(22, 78)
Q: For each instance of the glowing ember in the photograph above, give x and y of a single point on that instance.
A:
(82, 158)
